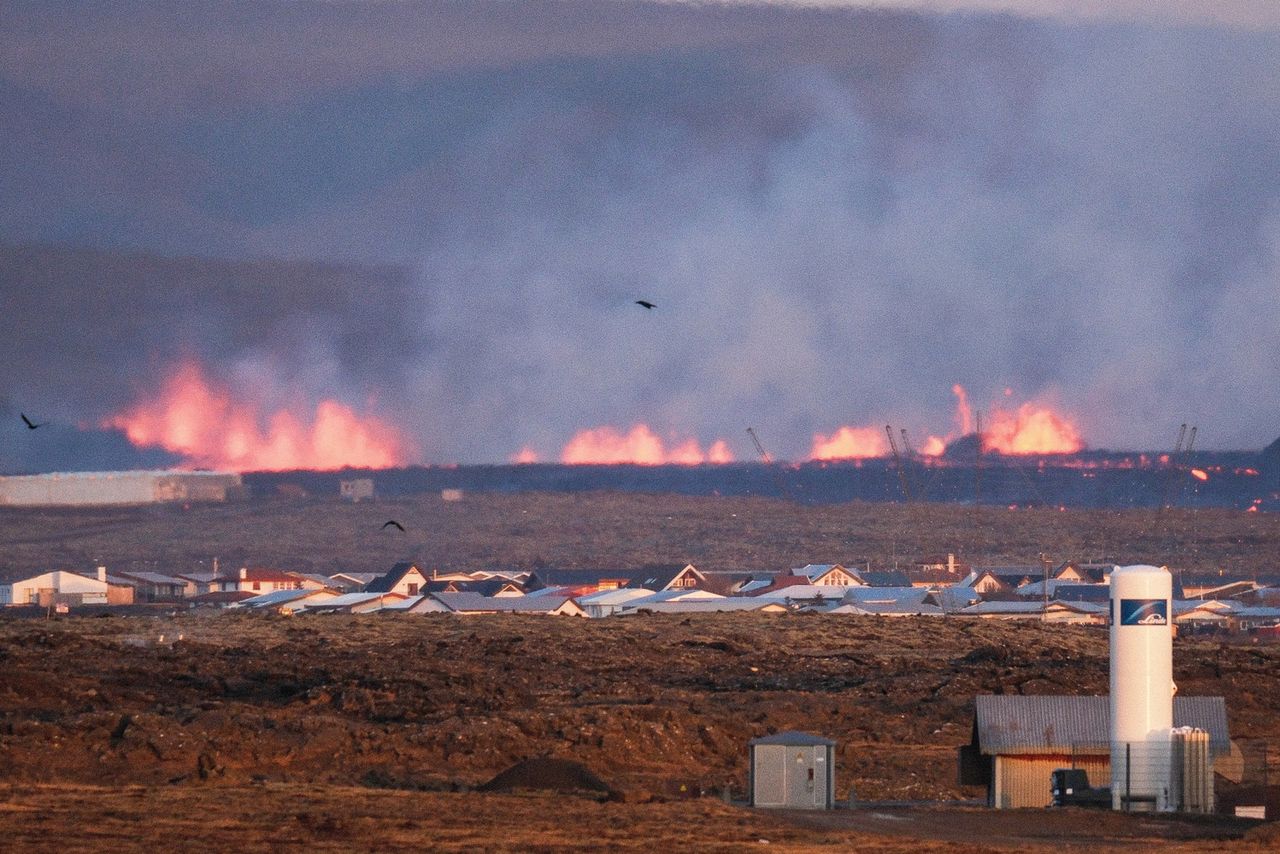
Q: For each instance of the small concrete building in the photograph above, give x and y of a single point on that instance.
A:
(793, 770)
(357, 489)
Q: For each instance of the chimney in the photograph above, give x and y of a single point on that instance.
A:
(951, 563)
(102, 574)
(244, 573)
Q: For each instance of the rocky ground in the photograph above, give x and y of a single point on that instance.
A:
(385, 710)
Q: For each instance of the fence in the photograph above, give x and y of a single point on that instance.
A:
(1184, 775)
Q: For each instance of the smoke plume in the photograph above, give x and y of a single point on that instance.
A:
(839, 212)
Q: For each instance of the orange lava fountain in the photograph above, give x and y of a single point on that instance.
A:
(1032, 429)
(639, 446)
(850, 443)
(201, 421)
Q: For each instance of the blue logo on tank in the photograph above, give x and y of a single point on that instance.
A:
(1144, 612)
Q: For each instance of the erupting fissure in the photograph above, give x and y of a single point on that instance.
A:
(640, 446)
(198, 419)
(1032, 428)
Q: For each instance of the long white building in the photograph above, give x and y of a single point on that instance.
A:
(69, 489)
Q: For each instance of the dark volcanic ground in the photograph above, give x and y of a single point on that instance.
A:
(623, 530)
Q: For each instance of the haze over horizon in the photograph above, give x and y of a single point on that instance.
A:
(841, 210)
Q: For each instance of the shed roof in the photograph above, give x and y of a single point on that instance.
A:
(1007, 724)
(793, 738)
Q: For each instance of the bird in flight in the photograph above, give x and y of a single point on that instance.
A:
(31, 425)
(392, 523)
(644, 303)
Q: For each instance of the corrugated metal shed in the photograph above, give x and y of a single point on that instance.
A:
(793, 737)
(1010, 724)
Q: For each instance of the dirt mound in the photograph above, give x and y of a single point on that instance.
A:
(545, 773)
(1266, 833)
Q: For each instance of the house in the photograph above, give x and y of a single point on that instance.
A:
(1201, 615)
(1002, 579)
(938, 572)
(1067, 591)
(1018, 741)
(219, 598)
(797, 588)
(352, 581)
(885, 578)
(352, 603)
(828, 575)
(700, 605)
(674, 577)
(154, 586)
(64, 587)
(608, 602)
(474, 603)
(196, 583)
(488, 587)
(285, 601)
(1084, 573)
(403, 578)
(1004, 610)
(581, 581)
(254, 580)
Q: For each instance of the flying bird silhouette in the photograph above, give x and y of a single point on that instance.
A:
(31, 425)
(644, 303)
(392, 523)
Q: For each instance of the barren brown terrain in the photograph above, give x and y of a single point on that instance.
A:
(379, 726)
(249, 732)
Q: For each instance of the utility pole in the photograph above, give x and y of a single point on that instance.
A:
(1044, 614)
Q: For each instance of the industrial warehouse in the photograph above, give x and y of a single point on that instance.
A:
(89, 489)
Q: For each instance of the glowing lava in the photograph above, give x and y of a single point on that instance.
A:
(201, 421)
(639, 446)
(1032, 429)
(850, 443)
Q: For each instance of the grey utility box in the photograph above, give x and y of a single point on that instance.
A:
(793, 770)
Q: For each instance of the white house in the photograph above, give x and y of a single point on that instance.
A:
(61, 584)
(828, 575)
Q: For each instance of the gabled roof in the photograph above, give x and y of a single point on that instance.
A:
(257, 573)
(792, 738)
(385, 583)
(702, 606)
(476, 603)
(885, 578)
(539, 578)
(151, 577)
(658, 577)
(885, 595)
(361, 578)
(814, 571)
(488, 587)
(1011, 723)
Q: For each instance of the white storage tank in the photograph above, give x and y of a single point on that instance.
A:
(1141, 687)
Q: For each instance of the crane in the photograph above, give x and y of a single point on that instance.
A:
(768, 462)
(897, 460)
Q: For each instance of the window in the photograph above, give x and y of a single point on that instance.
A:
(257, 585)
(413, 589)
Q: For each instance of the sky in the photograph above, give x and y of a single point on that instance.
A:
(840, 209)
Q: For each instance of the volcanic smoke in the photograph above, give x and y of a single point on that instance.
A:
(200, 420)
